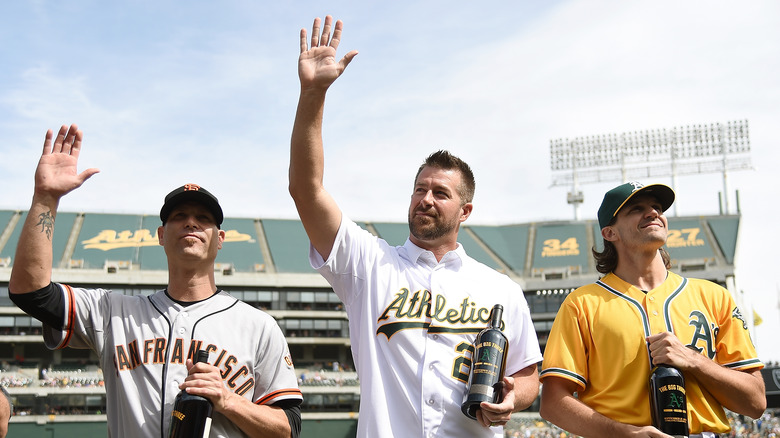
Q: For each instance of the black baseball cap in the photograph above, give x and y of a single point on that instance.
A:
(616, 198)
(193, 193)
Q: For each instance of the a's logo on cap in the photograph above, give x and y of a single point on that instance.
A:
(637, 185)
(191, 187)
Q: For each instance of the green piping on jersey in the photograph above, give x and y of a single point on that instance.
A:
(642, 313)
(668, 302)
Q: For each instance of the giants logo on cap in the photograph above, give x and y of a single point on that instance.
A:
(191, 187)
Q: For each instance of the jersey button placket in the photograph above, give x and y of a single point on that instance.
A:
(181, 324)
(655, 316)
(431, 413)
(431, 398)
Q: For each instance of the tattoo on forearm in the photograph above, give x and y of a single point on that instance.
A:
(46, 221)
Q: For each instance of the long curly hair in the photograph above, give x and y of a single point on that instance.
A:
(607, 260)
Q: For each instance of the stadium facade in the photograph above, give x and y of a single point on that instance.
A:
(264, 262)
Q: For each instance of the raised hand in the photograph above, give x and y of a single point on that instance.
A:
(57, 172)
(317, 66)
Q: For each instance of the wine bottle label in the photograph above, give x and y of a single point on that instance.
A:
(674, 409)
(668, 401)
(485, 390)
(178, 414)
(487, 371)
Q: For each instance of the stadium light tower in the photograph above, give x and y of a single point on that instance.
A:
(642, 155)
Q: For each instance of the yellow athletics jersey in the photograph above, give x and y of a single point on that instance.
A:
(598, 341)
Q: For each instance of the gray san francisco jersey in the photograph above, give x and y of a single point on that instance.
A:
(144, 342)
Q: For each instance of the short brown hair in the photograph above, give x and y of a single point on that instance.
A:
(446, 161)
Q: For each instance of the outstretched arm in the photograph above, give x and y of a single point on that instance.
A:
(55, 176)
(317, 70)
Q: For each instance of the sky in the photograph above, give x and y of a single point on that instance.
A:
(205, 92)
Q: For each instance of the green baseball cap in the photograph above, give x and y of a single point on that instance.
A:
(616, 198)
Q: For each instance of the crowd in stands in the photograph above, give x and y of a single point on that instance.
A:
(328, 378)
(20, 331)
(15, 381)
(59, 410)
(78, 378)
(74, 381)
(73, 410)
(768, 426)
(70, 378)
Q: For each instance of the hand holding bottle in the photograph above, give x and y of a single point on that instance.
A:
(498, 414)
(486, 377)
(191, 416)
(668, 401)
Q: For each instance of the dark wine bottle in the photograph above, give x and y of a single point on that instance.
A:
(486, 378)
(667, 401)
(191, 417)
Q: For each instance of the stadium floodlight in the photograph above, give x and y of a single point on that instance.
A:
(642, 155)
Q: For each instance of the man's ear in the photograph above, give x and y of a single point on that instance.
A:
(221, 235)
(160, 230)
(609, 233)
(465, 211)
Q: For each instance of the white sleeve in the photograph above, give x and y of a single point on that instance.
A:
(524, 344)
(354, 251)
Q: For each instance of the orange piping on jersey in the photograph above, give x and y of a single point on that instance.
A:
(281, 392)
(71, 316)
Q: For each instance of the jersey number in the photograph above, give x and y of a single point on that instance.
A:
(462, 364)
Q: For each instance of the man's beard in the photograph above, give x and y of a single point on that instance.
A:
(431, 230)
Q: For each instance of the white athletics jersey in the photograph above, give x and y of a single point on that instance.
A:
(412, 325)
(143, 344)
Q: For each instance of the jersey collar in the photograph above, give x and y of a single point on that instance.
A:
(415, 254)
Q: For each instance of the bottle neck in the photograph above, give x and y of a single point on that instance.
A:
(495, 316)
(201, 356)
